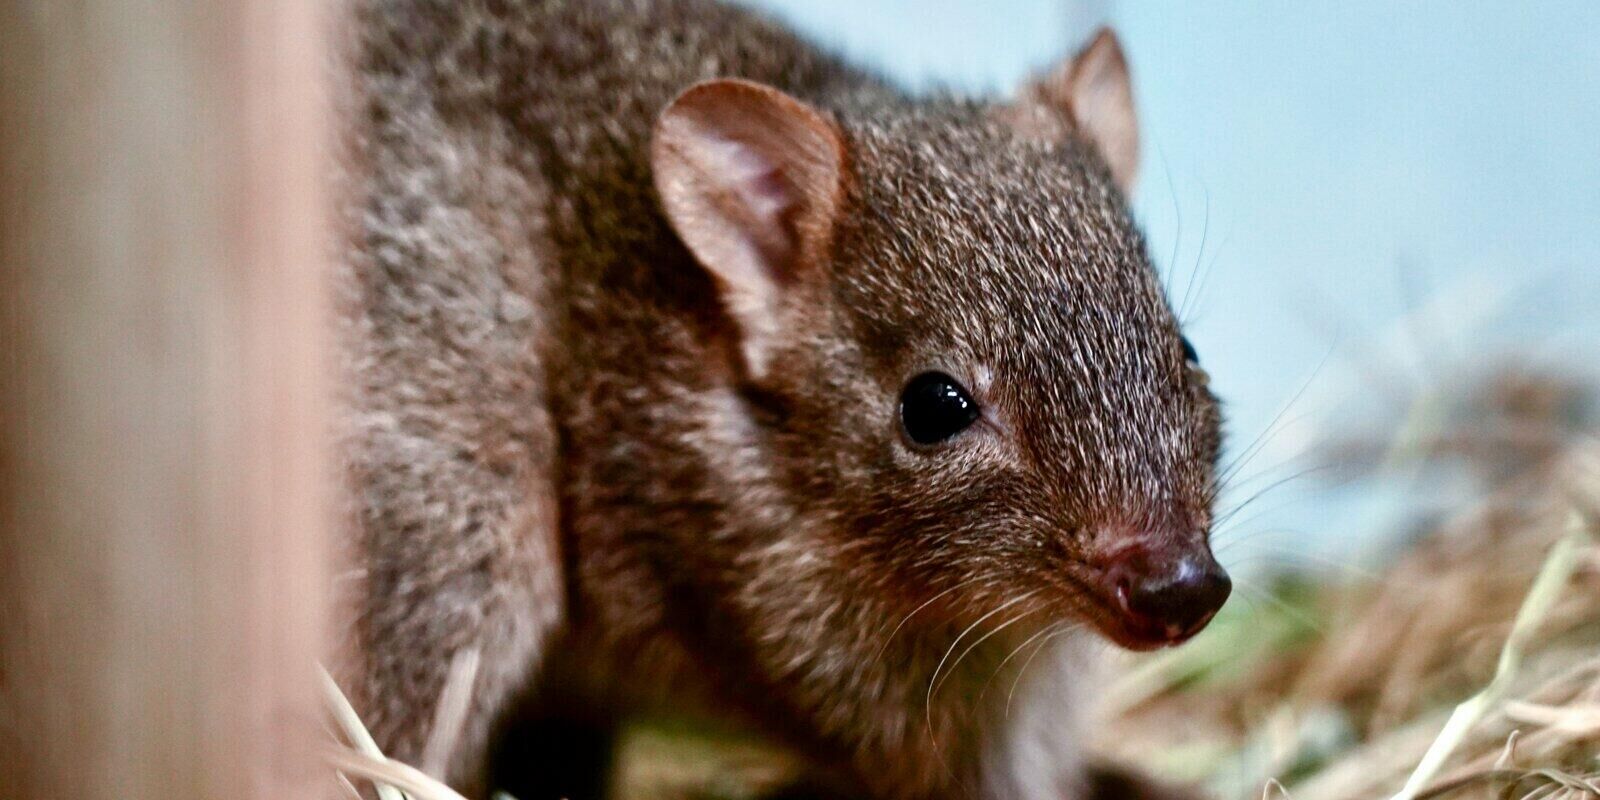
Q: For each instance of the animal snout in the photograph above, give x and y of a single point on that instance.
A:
(1165, 597)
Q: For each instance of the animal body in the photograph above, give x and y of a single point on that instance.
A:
(690, 368)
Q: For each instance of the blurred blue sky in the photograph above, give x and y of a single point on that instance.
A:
(1381, 192)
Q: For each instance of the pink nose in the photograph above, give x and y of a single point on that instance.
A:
(1166, 598)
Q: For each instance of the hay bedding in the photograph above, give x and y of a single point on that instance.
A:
(1343, 686)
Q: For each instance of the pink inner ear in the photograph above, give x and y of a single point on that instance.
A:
(750, 179)
(760, 196)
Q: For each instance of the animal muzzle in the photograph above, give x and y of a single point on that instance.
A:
(1159, 596)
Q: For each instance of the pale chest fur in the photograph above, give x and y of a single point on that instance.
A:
(1035, 750)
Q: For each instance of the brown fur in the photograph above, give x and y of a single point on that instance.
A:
(560, 459)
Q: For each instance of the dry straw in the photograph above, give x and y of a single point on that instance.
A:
(361, 758)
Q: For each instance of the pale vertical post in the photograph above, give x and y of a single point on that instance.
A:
(164, 475)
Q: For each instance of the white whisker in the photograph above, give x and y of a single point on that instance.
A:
(1011, 695)
(930, 601)
(981, 639)
(1045, 631)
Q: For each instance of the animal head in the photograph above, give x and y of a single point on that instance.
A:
(973, 376)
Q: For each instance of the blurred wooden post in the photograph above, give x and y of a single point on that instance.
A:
(163, 486)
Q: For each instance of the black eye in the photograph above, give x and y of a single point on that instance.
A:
(934, 408)
(1189, 354)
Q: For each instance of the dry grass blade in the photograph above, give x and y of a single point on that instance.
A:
(1511, 778)
(1553, 577)
(383, 772)
(355, 731)
(392, 779)
(1575, 720)
(450, 714)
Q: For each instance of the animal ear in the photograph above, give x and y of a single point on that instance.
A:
(1092, 94)
(752, 181)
